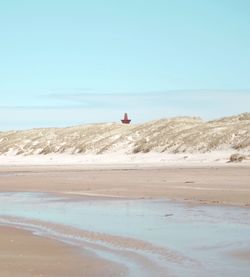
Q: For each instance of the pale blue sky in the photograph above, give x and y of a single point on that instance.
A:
(71, 62)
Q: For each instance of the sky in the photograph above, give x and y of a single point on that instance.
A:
(74, 62)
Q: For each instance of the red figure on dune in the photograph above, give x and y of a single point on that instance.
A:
(125, 120)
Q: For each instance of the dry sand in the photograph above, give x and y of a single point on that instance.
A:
(205, 185)
(24, 255)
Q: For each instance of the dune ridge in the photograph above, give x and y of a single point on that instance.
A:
(174, 135)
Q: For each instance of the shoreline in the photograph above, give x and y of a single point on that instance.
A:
(24, 254)
(113, 248)
(197, 185)
(111, 251)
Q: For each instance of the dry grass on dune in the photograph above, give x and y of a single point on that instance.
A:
(175, 135)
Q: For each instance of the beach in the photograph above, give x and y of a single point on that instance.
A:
(125, 138)
(223, 185)
(24, 255)
(44, 200)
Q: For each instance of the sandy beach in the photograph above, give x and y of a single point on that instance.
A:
(201, 185)
(25, 254)
(125, 138)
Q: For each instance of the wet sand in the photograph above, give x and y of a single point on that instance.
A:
(23, 254)
(46, 257)
(243, 255)
(222, 185)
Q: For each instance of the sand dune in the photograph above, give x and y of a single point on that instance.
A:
(175, 135)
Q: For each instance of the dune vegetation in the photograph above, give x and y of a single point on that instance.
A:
(174, 135)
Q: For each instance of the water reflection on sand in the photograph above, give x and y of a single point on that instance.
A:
(147, 236)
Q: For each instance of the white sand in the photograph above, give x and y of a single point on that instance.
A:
(113, 160)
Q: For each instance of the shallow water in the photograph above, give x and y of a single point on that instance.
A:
(145, 236)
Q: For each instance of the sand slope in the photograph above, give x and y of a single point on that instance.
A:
(175, 135)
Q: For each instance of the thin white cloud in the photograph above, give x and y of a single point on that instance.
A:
(86, 107)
